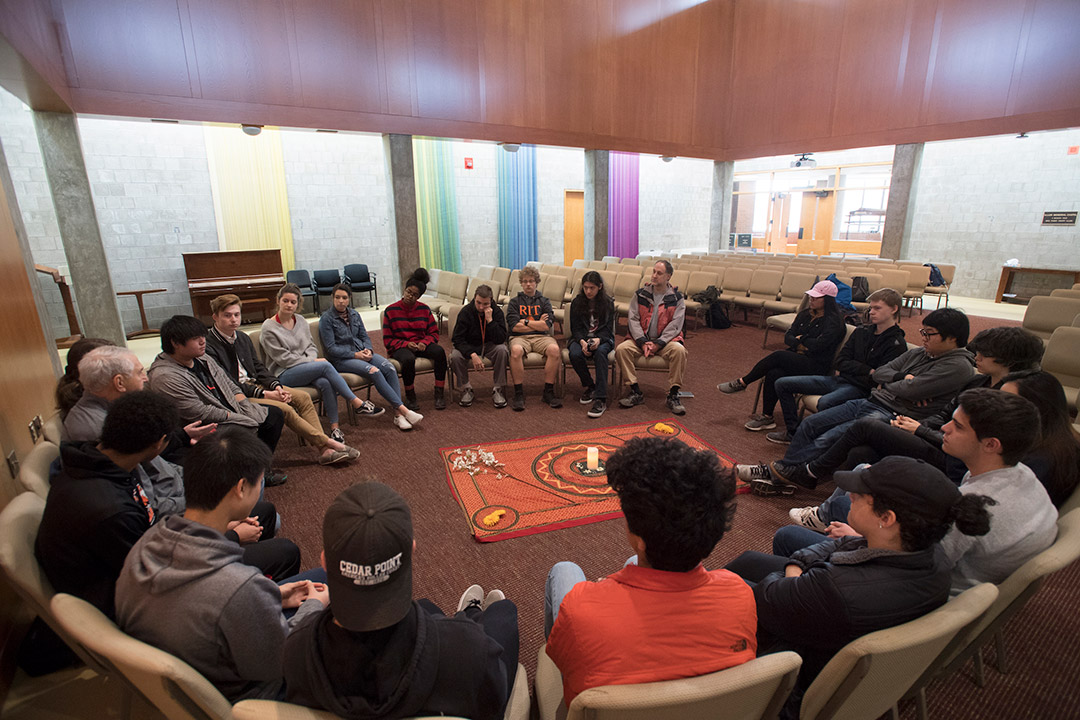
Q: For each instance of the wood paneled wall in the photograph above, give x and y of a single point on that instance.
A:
(720, 78)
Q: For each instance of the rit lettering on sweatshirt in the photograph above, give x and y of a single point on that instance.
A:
(370, 574)
(532, 312)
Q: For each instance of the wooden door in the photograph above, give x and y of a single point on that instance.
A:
(573, 226)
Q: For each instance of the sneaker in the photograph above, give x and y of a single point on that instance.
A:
(747, 473)
(551, 398)
(760, 422)
(275, 478)
(410, 401)
(792, 473)
(780, 437)
(597, 409)
(354, 454)
(467, 396)
(808, 517)
(471, 594)
(440, 399)
(634, 398)
(414, 418)
(767, 487)
(587, 396)
(518, 402)
(335, 457)
(336, 434)
(497, 398)
(674, 404)
(491, 598)
(736, 385)
(370, 409)
(402, 424)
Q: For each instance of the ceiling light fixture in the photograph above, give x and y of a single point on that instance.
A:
(510, 147)
(667, 158)
(1022, 136)
(252, 130)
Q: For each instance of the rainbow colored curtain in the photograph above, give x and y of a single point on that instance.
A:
(436, 204)
(517, 207)
(623, 204)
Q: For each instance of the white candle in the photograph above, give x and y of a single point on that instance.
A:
(593, 462)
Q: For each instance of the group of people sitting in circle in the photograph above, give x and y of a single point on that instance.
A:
(945, 478)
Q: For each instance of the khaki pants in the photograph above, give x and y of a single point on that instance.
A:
(300, 416)
(628, 352)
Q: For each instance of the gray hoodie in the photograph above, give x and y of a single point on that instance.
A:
(935, 381)
(184, 589)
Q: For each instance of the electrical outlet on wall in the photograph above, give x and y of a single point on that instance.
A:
(13, 464)
(35, 428)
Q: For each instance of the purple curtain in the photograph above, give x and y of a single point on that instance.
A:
(623, 204)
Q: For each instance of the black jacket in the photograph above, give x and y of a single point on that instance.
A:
(819, 336)
(467, 335)
(846, 591)
(243, 350)
(579, 320)
(424, 665)
(865, 351)
(95, 513)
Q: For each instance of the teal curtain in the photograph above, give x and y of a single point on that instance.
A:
(517, 207)
(436, 204)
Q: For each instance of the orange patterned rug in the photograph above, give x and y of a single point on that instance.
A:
(522, 487)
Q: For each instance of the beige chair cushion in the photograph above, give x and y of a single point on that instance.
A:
(34, 469)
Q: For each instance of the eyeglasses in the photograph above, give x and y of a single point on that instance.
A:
(928, 334)
(411, 293)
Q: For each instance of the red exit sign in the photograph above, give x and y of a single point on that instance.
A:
(468, 164)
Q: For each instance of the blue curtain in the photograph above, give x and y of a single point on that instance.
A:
(517, 207)
(436, 204)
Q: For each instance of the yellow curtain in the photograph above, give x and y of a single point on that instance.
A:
(247, 178)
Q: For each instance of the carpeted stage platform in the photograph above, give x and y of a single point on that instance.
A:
(1044, 681)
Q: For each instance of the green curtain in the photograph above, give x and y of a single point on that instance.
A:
(436, 204)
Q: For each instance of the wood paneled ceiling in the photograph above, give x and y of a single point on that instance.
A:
(721, 79)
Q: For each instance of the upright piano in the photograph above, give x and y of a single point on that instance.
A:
(252, 275)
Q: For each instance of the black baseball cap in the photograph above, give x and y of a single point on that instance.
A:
(915, 484)
(368, 541)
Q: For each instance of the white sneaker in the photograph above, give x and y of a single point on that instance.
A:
(473, 593)
(491, 598)
(807, 517)
(747, 473)
(414, 418)
(402, 424)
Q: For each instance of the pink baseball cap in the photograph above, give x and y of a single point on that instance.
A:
(821, 289)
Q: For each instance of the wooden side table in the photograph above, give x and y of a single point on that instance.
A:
(146, 329)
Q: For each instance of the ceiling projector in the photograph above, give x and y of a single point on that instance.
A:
(804, 161)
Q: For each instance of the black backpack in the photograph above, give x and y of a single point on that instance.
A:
(716, 317)
(860, 289)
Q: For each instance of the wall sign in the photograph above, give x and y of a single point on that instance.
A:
(1059, 218)
(745, 240)
(468, 164)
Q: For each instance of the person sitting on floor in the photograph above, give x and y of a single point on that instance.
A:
(990, 432)
(348, 348)
(184, 588)
(997, 352)
(663, 616)
(811, 342)
(376, 652)
(916, 384)
(822, 597)
(291, 355)
(655, 325)
(235, 352)
(202, 390)
(592, 336)
(97, 507)
(409, 332)
(480, 333)
(529, 318)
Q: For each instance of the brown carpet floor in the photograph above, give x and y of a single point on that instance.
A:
(1045, 665)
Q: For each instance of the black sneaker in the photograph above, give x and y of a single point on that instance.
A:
(597, 409)
(587, 396)
(440, 399)
(518, 403)
(674, 404)
(792, 473)
(551, 398)
(769, 487)
(275, 478)
(635, 397)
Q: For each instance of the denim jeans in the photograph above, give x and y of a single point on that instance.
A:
(560, 580)
(833, 392)
(819, 431)
(836, 507)
(323, 376)
(792, 538)
(386, 379)
(581, 366)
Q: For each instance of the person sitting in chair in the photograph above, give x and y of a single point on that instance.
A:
(480, 333)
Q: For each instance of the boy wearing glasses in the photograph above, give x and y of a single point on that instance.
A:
(917, 384)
